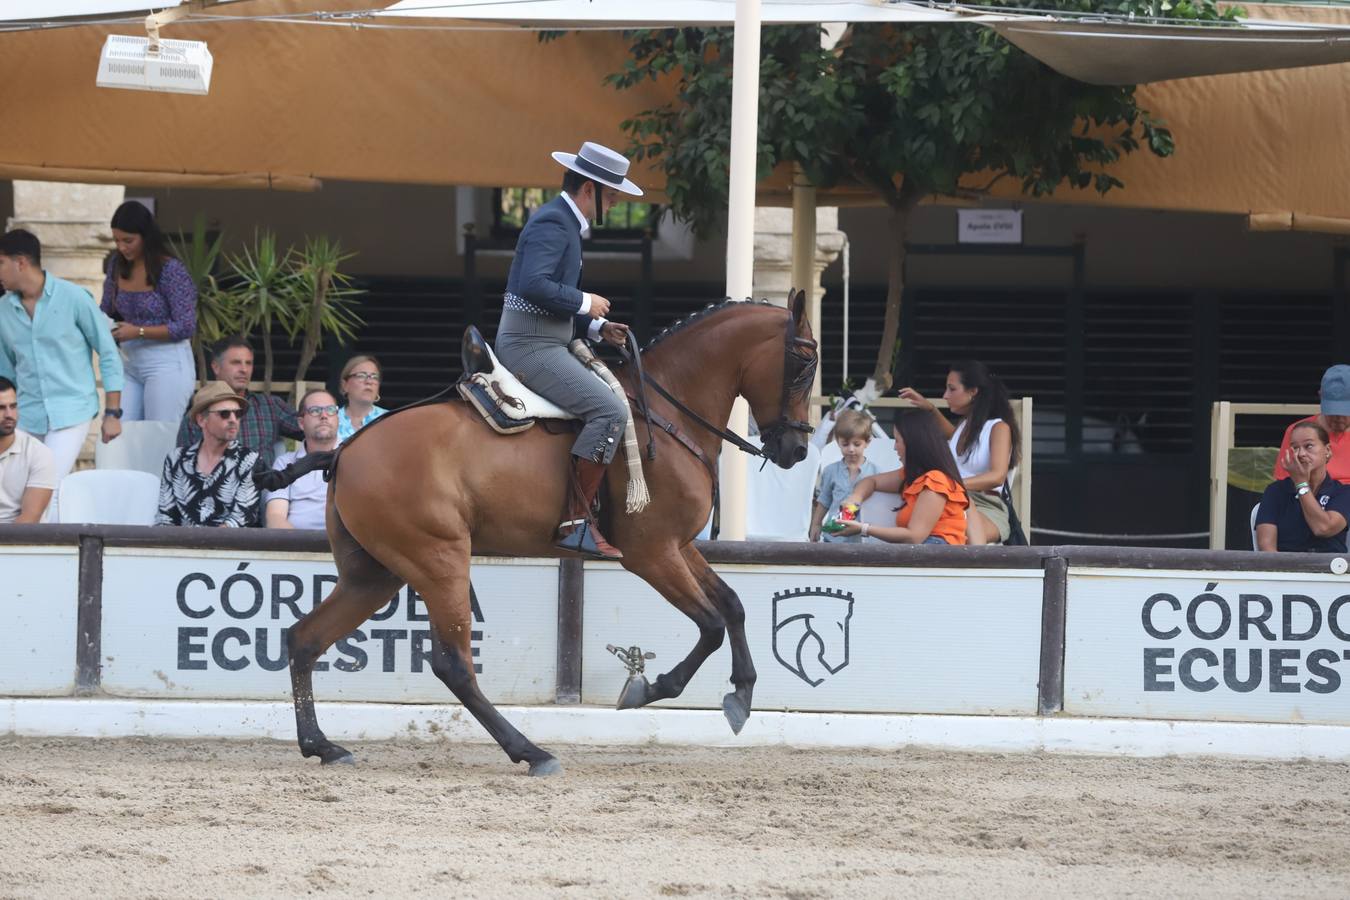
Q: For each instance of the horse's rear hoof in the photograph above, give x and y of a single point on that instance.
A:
(634, 693)
(545, 767)
(736, 712)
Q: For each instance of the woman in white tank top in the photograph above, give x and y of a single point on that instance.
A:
(984, 443)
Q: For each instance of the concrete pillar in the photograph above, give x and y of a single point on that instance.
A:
(71, 221)
(773, 252)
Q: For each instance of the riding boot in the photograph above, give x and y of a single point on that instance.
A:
(578, 531)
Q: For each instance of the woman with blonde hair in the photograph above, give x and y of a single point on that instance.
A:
(360, 384)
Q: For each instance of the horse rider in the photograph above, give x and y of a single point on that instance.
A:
(544, 309)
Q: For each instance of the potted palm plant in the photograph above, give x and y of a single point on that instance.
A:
(217, 315)
(323, 297)
(264, 286)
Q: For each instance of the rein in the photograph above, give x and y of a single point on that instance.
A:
(791, 383)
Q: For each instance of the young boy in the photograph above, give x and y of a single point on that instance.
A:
(852, 432)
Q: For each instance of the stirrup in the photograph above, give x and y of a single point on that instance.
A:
(580, 539)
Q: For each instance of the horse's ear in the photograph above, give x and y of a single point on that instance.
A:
(797, 304)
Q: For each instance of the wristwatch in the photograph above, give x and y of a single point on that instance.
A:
(114, 412)
(1303, 490)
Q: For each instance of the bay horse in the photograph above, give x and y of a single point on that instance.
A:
(413, 495)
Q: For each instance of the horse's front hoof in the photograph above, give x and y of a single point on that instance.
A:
(545, 767)
(333, 755)
(635, 693)
(734, 708)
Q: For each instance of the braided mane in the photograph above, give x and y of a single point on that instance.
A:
(706, 312)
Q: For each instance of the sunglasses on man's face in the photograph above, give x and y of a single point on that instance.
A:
(227, 414)
(329, 410)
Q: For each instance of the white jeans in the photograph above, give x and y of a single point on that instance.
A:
(159, 378)
(65, 444)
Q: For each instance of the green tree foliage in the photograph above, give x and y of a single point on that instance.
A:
(909, 112)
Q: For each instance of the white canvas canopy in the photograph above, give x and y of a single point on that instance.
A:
(576, 14)
(1140, 53)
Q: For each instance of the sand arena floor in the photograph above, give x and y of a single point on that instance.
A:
(141, 818)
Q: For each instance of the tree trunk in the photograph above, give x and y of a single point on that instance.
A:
(203, 374)
(310, 347)
(267, 353)
(899, 231)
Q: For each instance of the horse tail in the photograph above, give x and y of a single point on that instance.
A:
(276, 479)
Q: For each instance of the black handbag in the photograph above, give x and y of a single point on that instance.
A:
(1016, 536)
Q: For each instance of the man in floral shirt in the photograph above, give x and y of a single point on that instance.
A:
(210, 482)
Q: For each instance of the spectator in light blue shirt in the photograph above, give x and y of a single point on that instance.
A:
(48, 330)
(361, 378)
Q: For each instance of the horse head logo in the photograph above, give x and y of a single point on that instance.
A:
(810, 631)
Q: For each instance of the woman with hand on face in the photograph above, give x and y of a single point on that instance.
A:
(153, 296)
(985, 443)
(361, 386)
(935, 503)
(1307, 511)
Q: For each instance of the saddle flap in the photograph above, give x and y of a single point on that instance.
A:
(490, 408)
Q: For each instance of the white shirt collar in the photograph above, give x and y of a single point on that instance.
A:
(585, 225)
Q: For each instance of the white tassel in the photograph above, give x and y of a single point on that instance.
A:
(638, 496)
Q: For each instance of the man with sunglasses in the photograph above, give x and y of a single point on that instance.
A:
(210, 482)
(301, 504)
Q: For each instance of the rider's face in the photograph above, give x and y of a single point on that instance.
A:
(586, 201)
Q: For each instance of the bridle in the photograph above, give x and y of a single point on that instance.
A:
(799, 373)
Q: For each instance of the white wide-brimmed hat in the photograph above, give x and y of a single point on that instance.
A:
(601, 164)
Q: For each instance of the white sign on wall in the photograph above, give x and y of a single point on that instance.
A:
(1271, 647)
(198, 623)
(989, 226)
(837, 639)
(39, 598)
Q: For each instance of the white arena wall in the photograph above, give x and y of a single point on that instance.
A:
(111, 630)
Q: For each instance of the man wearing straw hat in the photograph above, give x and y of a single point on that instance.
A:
(210, 482)
(544, 308)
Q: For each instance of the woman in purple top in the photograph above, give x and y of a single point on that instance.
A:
(154, 300)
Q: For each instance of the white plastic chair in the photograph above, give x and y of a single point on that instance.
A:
(141, 447)
(778, 501)
(109, 497)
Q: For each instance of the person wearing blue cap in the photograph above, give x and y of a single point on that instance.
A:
(1334, 418)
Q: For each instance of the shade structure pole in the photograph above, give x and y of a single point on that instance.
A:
(741, 237)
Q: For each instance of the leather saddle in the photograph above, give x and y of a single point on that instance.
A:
(503, 401)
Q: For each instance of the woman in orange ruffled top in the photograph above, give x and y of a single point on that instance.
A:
(935, 501)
